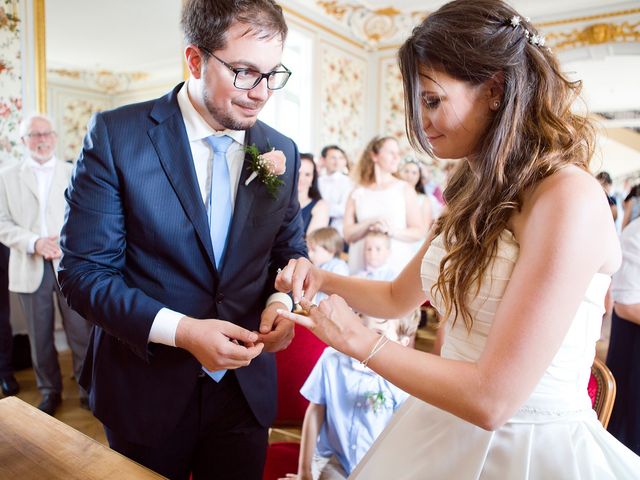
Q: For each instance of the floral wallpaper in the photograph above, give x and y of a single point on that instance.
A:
(342, 100)
(75, 117)
(392, 104)
(10, 83)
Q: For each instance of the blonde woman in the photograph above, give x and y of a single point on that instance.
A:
(382, 203)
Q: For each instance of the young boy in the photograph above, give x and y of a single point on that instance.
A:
(325, 246)
(377, 248)
(349, 407)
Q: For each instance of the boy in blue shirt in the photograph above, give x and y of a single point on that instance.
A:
(349, 407)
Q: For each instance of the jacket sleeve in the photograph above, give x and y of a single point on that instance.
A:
(289, 242)
(94, 242)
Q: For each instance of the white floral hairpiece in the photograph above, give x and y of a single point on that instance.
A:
(533, 39)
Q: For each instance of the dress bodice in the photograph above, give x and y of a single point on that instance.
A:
(563, 386)
(388, 204)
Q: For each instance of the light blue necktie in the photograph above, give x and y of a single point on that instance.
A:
(219, 207)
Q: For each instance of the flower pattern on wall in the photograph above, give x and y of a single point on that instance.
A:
(10, 84)
(342, 100)
(77, 113)
(392, 104)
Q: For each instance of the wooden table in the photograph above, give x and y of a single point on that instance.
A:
(36, 445)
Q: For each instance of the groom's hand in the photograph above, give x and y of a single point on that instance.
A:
(276, 332)
(218, 344)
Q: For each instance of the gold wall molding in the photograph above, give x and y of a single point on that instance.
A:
(600, 16)
(40, 54)
(594, 34)
(319, 25)
(373, 27)
(589, 35)
(105, 81)
(376, 28)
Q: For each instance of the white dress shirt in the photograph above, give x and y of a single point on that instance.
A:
(166, 321)
(625, 286)
(44, 176)
(335, 189)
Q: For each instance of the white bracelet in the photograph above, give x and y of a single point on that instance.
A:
(382, 341)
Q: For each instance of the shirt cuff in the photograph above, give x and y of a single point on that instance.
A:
(163, 329)
(280, 297)
(31, 245)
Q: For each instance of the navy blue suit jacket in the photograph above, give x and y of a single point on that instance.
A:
(136, 239)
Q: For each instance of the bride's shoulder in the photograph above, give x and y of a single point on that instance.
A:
(569, 196)
(570, 186)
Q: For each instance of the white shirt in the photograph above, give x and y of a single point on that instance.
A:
(166, 321)
(625, 286)
(197, 132)
(44, 176)
(335, 189)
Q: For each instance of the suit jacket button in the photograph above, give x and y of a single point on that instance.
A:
(219, 298)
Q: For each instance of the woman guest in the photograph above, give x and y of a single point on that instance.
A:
(430, 207)
(314, 210)
(631, 206)
(518, 267)
(383, 203)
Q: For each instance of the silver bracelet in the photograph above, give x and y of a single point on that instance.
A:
(382, 341)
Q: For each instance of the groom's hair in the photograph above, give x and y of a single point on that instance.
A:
(205, 22)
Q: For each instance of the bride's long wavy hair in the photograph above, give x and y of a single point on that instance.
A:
(532, 135)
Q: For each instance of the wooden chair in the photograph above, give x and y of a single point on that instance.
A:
(294, 364)
(602, 390)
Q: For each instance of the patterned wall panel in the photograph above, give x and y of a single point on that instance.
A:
(391, 120)
(72, 104)
(342, 100)
(10, 83)
(77, 113)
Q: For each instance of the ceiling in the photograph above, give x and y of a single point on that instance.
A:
(535, 10)
(118, 35)
(144, 36)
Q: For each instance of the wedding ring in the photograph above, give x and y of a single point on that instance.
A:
(297, 309)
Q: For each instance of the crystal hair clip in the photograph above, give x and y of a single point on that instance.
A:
(533, 39)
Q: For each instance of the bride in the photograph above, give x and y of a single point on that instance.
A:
(518, 268)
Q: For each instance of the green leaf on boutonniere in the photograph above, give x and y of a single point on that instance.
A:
(258, 166)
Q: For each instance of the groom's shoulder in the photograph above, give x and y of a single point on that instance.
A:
(273, 135)
(142, 110)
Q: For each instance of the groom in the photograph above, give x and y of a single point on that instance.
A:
(171, 248)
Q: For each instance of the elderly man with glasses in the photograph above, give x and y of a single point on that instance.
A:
(31, 216)
(171, 246)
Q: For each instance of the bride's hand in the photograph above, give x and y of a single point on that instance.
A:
(335, 324)
(299, 277)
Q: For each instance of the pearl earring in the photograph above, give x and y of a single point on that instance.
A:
(496, 104)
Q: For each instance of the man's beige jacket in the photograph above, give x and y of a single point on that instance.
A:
(20, 220)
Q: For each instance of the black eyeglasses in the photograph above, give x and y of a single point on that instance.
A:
(247, 78)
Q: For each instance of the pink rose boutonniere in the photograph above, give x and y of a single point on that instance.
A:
(266, 167)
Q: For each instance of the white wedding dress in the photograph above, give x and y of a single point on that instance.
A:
(554, 435)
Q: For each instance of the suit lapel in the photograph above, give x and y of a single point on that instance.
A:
(246, 193)
(170, 141)
(29, 179)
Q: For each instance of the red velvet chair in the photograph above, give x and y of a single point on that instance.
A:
(294, 365)
(602, 390)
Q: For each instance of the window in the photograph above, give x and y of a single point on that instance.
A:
(289, 109)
